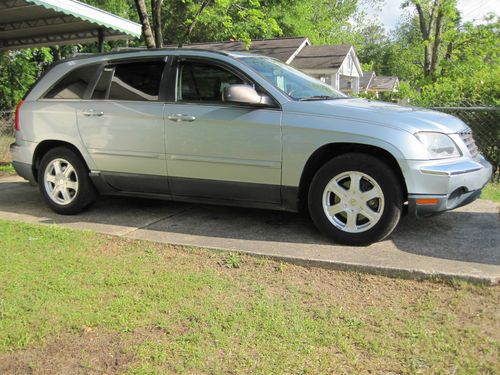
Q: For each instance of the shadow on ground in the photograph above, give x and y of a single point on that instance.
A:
(470, 234)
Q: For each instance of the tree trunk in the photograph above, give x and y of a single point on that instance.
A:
(146, 27)
(449, 51)
(425, 30)
(157, 24)
(189, 30)
(437, 42)
(56, 53)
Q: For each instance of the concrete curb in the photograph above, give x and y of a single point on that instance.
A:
(392, 272)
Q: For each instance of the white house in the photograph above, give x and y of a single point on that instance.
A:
(371, 83)
(336, 65)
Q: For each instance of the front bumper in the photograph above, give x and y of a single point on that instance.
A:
(439, 187)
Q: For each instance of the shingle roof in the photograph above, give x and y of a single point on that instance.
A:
(366, 80)
(279, 48)
(321, 57)
(384, 83)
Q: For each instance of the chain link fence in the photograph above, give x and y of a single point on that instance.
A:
(7, 135)
(484, 122)
(485, 125)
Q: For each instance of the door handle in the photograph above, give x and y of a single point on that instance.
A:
(92, 112)
(180, 117)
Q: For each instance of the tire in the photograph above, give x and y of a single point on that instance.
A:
(64, 181)
(338, 207)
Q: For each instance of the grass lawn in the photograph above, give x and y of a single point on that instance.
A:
(492, 192)
(7, 169)
(73, 302)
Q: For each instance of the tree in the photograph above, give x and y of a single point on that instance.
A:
(18, 72)
(146, 27)
(433, 17)
(323, 21)
(220, 20)
(192, 23)
(157, 22)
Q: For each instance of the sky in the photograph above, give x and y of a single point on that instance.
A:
(471, 10)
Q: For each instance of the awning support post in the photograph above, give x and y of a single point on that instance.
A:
(100, 40)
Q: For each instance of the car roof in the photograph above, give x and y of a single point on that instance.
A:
(137, 52)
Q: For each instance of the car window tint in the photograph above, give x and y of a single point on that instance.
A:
(204, 82)
(73, 85)
(136, 81)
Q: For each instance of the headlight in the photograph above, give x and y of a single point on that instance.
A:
(439, 145)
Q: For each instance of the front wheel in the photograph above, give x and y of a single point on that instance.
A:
(64, 181)
(355, 199)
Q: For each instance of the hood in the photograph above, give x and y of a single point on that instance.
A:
(411, 119)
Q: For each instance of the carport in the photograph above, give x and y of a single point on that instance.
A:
(36, 23)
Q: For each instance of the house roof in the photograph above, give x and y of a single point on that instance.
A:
(30, 23)
(384, 83)
(366, 80)
(283, 49)
(321, 57)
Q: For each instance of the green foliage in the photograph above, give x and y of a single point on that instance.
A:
(18, 71)
(492, 191)
(232, 260)
(323, 21)
(220, 20)
(471, 72)
(7, 169)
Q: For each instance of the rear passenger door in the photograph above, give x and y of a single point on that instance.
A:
(122, 126)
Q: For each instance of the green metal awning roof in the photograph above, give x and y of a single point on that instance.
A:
(32, 23)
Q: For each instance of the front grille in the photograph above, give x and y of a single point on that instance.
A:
(466, 136)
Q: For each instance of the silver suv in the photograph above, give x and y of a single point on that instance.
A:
(239, 129)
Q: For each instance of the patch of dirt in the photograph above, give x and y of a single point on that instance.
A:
(88, 353)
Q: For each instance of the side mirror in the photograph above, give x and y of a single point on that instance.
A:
(245, 94)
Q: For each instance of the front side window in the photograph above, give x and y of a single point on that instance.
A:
(137, 81)
(294, 83)
(201, 82)
(73, 85)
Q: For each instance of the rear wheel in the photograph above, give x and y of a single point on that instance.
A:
(64, 182)
(355, 199)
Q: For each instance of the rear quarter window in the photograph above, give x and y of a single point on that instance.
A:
(74, 84)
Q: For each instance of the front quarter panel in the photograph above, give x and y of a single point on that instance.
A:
(303, 134)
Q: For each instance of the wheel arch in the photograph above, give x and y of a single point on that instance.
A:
(331, 150)
(45, 146)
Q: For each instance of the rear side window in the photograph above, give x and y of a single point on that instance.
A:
(138, 81)
(74, 84)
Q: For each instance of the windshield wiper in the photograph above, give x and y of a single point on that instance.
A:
(318, 97)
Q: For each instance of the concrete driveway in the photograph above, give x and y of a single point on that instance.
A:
(464, 243)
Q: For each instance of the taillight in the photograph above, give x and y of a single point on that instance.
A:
(18, 108)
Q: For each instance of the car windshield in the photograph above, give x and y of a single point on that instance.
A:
(294, 83)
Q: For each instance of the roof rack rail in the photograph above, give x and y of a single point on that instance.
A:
(125, 49)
